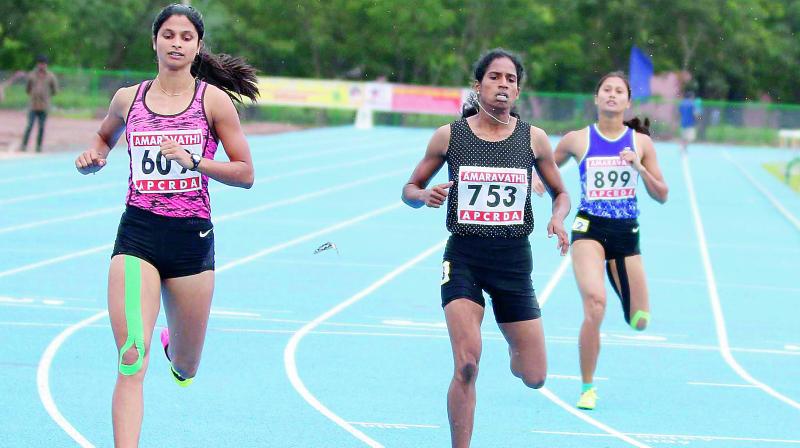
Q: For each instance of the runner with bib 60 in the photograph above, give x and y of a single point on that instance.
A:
(490, 155)
(165, 242)
(612, 156)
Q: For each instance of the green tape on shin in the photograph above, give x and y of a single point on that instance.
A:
(641, 314)
(133, 315)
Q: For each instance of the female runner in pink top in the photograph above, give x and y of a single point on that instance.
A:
(165, 242)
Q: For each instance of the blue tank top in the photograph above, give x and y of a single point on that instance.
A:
(608, 183)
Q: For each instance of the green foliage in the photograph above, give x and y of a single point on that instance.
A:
(734, 49)
(299, 115)
(743, 136)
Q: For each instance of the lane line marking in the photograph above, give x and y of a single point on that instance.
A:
(661, 437)
(546, 293)
(213, 189)
(233, 215)
(611, 432)
(290, 352)
(698, 383)
(776, 203)
(43, 375)
(393, 425)
(713, 294)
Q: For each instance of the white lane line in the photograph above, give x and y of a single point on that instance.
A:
(393, 425)
(312, 235)
(306, 262)
(43, 379)
(4, 299)
(611, 432)
(307, 196)
(334, 166)
(213, 189)
(233, 313)
(54, 194)
(698, 383)
(426, 332)
(572, 377)
(289, 353)
(667, 438)
(42, 375)
(551, 285)
(437, 333)
(222, 218)
(44, 222)
(316, 169)
(273, 161)
(52, 308)
(546, 293)
(412, 324)
(726, 285)
(776, 203)
(267, 146)
(713, 295)
(42, 324)
(55, 260)
(8, 180)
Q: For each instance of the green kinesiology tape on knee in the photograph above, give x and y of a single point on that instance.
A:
(641, 314)
(133, 315)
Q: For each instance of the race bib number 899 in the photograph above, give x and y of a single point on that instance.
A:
(491, 196)
(610, 178)
(154, 173)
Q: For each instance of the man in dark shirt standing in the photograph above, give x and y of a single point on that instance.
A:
(42, 85)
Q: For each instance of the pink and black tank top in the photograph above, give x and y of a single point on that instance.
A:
(159, 185)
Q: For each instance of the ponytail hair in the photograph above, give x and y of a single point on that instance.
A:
(642, 127)
(231, 74)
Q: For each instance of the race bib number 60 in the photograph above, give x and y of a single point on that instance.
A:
(154, 173)
(491, 196)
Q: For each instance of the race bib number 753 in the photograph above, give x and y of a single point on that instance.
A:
(154, 173)
(491, 196)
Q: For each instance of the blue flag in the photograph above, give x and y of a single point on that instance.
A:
(641, 71)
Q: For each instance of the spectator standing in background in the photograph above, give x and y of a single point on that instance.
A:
(42, 85)
(689, 113)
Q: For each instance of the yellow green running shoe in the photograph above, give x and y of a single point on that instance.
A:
(588, 399)
(183, 382)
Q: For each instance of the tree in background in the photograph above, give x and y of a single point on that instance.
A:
(735, 49)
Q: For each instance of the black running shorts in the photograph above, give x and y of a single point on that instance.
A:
(619, 237)
(177, 247)
(500, 266)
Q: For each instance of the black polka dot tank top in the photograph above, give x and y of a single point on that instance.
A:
(491, 192)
